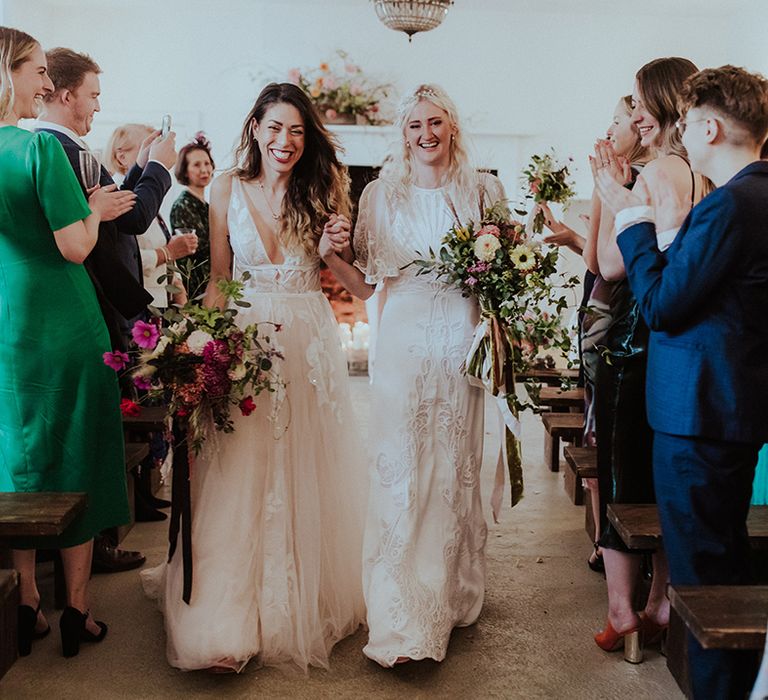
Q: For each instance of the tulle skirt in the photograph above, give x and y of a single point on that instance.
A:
(277, 515)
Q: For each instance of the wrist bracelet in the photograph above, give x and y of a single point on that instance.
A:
(167, 254)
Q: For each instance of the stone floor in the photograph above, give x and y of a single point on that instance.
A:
(533, 640)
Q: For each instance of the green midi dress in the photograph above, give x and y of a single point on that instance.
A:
(60, 423)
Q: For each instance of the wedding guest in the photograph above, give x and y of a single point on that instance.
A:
(598, 298)
(63, 433)
(704, 299)
(113, 264)
(624, 437)
(194, 168)
(424, 566)
(278, 505)
(157, 247)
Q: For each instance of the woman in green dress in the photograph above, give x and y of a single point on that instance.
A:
(60, 425)
(194, 168)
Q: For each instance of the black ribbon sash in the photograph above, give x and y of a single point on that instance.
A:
(181, 508)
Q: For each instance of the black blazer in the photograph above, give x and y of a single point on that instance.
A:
(114, 263)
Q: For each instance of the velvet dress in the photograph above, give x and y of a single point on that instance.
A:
(60, 423)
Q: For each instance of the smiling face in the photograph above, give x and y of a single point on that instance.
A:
(644, 121)
(622, 133)
(199, 168)
(428, 133)
(84, 103)
(30, 84)
(280, 135)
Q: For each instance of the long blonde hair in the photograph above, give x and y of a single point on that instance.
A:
(15, 48)
(319, 184)
(397, 171)
(121, 137)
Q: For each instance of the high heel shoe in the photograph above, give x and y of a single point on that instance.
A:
(595, 561)
(611, 640)
(73, 631)
(653, 632)
(27, 619)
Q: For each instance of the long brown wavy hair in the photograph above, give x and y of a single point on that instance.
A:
(660, 83)
(639, 153)
(319, 183)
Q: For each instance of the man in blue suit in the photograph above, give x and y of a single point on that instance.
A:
(705, 301)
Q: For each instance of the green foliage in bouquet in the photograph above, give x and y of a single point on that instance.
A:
(547, 181)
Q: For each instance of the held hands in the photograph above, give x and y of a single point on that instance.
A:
(336, 236)
(109, 203)
(182, 245)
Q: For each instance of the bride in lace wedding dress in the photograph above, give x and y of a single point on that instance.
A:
(424, 564)
(277, 507)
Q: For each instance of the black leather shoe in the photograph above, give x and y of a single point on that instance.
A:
(111, 560)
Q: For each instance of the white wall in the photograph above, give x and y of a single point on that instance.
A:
(553, 74)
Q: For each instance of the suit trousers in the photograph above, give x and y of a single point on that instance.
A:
(703, 489)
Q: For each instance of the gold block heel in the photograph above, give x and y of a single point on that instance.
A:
(633, 647)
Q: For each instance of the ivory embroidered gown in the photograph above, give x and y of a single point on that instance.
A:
(277, 518)
(424, 564)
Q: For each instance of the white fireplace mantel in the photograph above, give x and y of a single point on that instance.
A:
(504, 152)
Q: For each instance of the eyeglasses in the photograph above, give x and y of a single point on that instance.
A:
(681, 124)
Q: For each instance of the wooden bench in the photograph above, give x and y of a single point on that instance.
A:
(38, 514)
(9, 603)
(135, 452)
(639, 527)
(552, 377)
(581, 464)
(562, 401)
(560, 426)
(720, 617)
(150, 419)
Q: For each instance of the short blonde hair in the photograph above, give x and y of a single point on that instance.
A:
(121, 138)
(15, 48)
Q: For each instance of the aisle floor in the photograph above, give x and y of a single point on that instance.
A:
(533, 640)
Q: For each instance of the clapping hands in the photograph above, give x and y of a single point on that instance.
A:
(336, 236)
(611, 172)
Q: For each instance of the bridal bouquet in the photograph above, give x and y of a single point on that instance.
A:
(203, 364)
(547, 181)
(515, 284)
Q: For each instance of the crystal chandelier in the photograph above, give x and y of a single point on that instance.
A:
(411, 16)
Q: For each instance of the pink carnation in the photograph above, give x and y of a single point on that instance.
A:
(471, 281)
(145, 335)
(117, 360)
(331, 113)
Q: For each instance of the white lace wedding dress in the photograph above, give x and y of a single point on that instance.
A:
(424, 565)
(277, 517)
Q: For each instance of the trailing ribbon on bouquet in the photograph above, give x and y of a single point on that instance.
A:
(181, 508)
(489, 365)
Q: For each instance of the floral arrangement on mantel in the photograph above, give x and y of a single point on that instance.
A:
(341, 92)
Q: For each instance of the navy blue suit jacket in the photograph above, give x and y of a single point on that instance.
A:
(706, 302)
(115, 263)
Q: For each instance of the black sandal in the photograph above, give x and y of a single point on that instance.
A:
(595, 561)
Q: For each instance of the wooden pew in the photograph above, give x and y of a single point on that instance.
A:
(562, 401)
(552, 377)
(150, 419)
(639, 527)
(9, 603)
(565, 426)
(581, 464)
(38, 514)
(723, 617)
(135, 452)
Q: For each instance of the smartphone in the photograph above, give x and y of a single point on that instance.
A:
(166, 127)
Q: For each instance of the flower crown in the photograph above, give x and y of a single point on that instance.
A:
(200, 140)
(426, 91)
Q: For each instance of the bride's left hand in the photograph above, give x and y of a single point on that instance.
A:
(336, 235)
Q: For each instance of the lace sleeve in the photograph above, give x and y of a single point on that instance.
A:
(372, 242)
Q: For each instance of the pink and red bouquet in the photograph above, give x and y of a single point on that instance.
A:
(203, 364)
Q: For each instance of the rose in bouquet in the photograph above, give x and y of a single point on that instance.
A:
(341, 90)
(203, 364)
(520, 295)
(547, 181)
